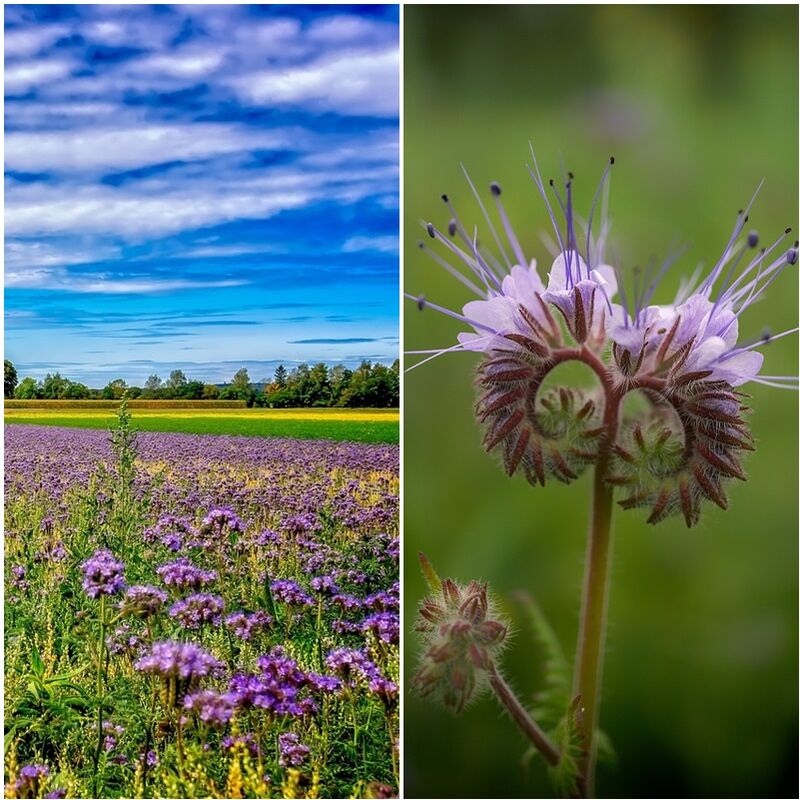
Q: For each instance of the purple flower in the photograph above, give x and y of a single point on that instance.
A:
(279, 687)
(143, 601)
(184, 660)
(385, 625)
(351, 665)
(289, 592)
(293, 752)
(103, 574)
(324, 583)
(30, 779)
(198, 610)
(183, 574)
(246, 625)
(211, 707)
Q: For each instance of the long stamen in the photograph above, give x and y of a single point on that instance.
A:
(477, 265)
(424, 303)
(486, 216)
(733, 292)
(597, 194)
(741, 220)
(760, 343)
(496, 191)
(537, 179)
(445, 265)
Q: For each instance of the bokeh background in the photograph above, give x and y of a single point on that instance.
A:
(697, 103)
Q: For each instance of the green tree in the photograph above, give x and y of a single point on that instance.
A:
(210, 391)
(27, 389)
(177, 380)
(114, 390)
(77, 391)
(54, 386)
(10, 378)
(279, 378)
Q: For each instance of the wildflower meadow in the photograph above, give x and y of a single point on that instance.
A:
(199, 616)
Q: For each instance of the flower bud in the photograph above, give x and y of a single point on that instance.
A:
(463, 635)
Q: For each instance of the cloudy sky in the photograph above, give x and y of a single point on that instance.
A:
(201, 187)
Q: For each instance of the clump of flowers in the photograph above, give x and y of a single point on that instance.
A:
(182, 574)
(198, 610)
(180, 666)
(293, 753)
(103, 574)
(291, 593)
(211, 708)
(30, 780)
(245, 626)
(684, 356)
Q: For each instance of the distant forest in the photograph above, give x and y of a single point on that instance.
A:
(318, 386)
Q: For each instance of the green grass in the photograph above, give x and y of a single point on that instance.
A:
(354, 425)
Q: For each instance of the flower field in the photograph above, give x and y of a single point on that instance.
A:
(199, 616)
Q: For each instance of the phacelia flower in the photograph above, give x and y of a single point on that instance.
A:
(685, 355)
(30, 779)
(245, 625)
(103, 574)
(198, 610)
(211, 707)
(293, 753)
(290, 592)
(182, 574)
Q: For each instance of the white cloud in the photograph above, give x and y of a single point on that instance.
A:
(378, 244)
(20, 78)
(356, 82)
(191, 64)
(131, 147)
(21, 255)
(59, 279)
(21, 42)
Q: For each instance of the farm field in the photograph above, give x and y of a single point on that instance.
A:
(356, 425)
(199, 616)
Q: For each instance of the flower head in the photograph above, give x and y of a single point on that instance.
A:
(685, 355)
(198, 610)
(182, 574)
(143, 601)
(211, 707)
(169, 659)
(103, 574)
(293, 753)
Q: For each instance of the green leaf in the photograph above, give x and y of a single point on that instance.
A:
(37, 665)
(554, 697)
(431, 578)
(568, 740)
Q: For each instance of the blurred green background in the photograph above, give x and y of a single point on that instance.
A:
(697, 103)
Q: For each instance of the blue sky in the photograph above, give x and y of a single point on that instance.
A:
(202, 187)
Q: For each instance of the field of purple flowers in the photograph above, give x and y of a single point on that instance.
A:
(199, 616)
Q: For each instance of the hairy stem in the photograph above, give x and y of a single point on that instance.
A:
(522, 718)
(591, 638)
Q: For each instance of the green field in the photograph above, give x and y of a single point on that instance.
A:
(354, 425)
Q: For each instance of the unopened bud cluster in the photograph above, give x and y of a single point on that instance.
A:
(463, 635)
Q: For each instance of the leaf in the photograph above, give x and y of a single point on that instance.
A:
(605, 750)
(37, 665)
(431, 578)
(568, 740)
(554, 697)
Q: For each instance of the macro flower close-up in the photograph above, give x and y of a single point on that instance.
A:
(619, 334)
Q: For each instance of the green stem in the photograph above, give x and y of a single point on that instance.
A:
(591, 638)
(101, 651)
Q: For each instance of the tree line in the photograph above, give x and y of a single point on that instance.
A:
(318, 386)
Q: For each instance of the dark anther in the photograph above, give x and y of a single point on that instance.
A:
(788, 231)
(611, 160)
(571, 176)
(551, 182)
(752, 239)
(445, 198)
(421, 302)
(494, 188)
(421, 245)
(431, 230)
(791, 256)
(451, 227)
